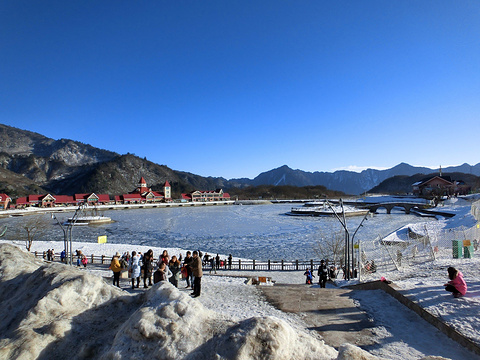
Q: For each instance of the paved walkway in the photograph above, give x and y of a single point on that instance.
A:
(331, 311)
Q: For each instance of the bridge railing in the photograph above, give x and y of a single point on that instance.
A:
(253, 265)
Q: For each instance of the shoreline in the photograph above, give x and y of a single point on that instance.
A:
(61, 209)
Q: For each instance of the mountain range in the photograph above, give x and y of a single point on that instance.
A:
(32, 163)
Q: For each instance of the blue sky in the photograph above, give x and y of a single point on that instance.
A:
(235, 88)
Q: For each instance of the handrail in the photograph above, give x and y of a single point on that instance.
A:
(264, 265)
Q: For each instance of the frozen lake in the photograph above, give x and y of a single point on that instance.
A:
(250, 231)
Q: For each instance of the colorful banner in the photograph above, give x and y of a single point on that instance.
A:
(102, 239)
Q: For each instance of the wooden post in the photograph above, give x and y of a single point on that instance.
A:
(268, 265)
(282, 264)
(311, 265)
(92, 258)
(35, 254)
(239, 264)
(44, 255)
(253, 264)
(296, 264)
(103, 258)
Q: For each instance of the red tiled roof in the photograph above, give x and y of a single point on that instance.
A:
(22, 200)
(167, 184)
(4, 197)
(103, 197)
(81, 196)
(226, 195)
(118, 198)
(132, 196)
(142, 181)
(155, 193)
(186, 196)
(64, 199)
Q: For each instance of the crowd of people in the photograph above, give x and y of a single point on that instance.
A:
(190, 268)
(165, 268)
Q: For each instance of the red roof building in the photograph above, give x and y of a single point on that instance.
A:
(206, 196)
(143, 194)
(92, 199)
(4, 201)
(65, 200)
(47, 200)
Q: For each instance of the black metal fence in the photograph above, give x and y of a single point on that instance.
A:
(253, 265)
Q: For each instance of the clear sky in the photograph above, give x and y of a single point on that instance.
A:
(235, 88)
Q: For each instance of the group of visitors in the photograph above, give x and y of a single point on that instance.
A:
(324, 274)
(164, 269)
(50, 255)
(216, 262)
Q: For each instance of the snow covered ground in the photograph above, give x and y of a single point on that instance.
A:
(235, 302)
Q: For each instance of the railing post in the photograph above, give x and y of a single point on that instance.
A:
(35, 254)
(103, 258)
(282, 264)
(239, 264)
(92, 258)
(44, 255)
(311, 264)
(296, 264)
(253, 264)
(268, 265)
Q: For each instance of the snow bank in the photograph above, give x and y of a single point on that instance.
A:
(52, 311)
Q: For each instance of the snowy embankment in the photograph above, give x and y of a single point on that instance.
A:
(51, 310)
(423, 282)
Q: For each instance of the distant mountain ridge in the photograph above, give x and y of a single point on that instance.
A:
(66, 167)
(348, 181)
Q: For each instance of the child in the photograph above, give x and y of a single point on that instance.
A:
(84, 260)
(309, 276)
(456, 285)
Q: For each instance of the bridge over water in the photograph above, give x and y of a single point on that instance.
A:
(406, 205)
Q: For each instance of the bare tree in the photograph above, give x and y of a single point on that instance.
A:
(33, 228)
(331, 246)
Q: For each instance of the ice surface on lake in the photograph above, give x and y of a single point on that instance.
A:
(257, 232)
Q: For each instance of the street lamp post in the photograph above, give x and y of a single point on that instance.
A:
(67, 233)
(343, 222)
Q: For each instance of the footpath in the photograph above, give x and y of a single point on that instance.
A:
(333, 313)
(330, 311)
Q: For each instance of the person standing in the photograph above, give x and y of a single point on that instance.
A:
(188, 265)
(135, 269)
(147, 268)
(116, 268)
(174, 266)
(197, 273)
(322, 274)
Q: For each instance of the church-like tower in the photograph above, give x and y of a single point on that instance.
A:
(167, 190)
(142, 186)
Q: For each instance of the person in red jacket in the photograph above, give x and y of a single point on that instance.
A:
(456, 285)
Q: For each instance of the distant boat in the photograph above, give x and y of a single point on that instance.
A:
(84, 219)
(321, 209)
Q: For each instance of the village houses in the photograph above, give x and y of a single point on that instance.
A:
(142, 194)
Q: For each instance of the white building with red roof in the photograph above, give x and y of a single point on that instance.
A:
(206, 196)
(145, 195)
